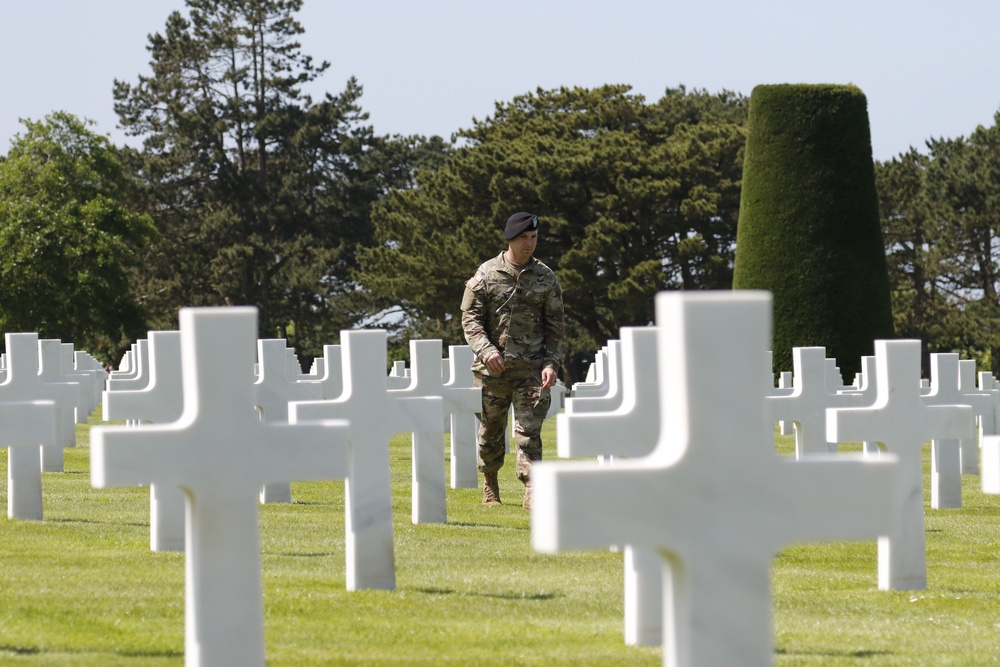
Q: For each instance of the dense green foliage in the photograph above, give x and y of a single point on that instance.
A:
(941, 215)
(70, 242)
(261, 195)
(633, 198)
(809, 227)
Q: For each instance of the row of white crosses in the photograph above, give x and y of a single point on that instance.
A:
(45, 389)
(220, 444)
(707, 500)
(151, 393)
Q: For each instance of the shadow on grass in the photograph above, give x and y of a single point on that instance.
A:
(151, 654)
(470, 524)
(835, 654)
(300, 554)
(140, 524)
(502, 596)
(34, 650)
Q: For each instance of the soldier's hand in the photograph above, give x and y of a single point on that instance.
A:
(548, 377)
(495, 364)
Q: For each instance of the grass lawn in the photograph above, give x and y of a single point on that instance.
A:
(82, 587)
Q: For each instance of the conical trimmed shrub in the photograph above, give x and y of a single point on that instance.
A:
(809, 226)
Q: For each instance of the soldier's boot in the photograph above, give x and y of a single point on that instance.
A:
(524, 474)
(491, 489)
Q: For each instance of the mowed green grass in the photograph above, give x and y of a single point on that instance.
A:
(82, 587)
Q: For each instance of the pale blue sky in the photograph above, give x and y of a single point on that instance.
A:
(928, 68)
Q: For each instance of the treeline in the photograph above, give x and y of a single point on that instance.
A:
(247, 191)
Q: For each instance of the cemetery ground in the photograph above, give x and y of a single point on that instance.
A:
(83, 588)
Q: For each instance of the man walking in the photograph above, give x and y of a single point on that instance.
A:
(512, 315)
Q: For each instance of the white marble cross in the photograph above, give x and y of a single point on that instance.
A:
(23, 426)
(51, 371)
(714, 497)
(630, 430)
(606, 396)
(375, 415)
(29, 384)
(134, 376)
(902, 422)
(807, 403)
(424, 380)
(220, 453)
(988, 385)
(598, 377)
(946, 453)
(462, 400)
(85, 362)
(28, 418)
(88, 398)
(985, 414)
(272, 392)
(159, 401)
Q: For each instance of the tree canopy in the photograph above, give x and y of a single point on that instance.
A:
(261, 194)
(941, 213)
(70, 244)
(633, 198)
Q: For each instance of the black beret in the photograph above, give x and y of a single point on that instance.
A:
(520, 223)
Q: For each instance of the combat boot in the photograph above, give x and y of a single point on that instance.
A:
(526, 503)
(491, 489)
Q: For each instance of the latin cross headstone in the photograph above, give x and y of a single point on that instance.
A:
(99, 376)
(630, 430)
(785, 388)
(88, 400)
(423, 380)
(462, 400)
(23, 427)
(985, 413)
(51, 371)
(272, 392)
(988, 385)
(374, 416)
(159, 401)
(596, 383)
(946, 461)
(330, 373)
(398, 375)
(604, 397)
(23, 384)
(713, 497)
(220, 453)
(807, 403)
(134, 376)
(902, 422)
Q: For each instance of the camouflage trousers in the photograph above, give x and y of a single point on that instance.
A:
(531, 404)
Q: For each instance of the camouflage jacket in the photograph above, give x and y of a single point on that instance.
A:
(519, 316)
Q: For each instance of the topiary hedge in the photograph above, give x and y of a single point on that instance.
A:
(809, 226)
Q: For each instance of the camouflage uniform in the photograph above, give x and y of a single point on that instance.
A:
(521, 317)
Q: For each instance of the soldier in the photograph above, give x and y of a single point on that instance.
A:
(512, 314)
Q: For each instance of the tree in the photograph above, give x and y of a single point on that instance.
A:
(809, 224)
(262, 195)
(634, 198)
(911, 226)
(70, 242)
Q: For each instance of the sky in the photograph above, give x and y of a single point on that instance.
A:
(928, 68)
